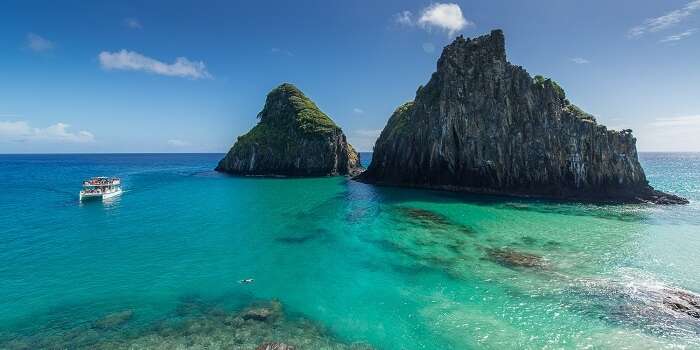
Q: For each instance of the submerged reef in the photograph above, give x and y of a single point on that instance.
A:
(513, 258)
(194, 325)
(432, 220)
(425, 241)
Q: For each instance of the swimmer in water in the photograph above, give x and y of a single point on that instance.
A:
(246, 281)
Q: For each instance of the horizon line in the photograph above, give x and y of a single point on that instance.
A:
(116, 153)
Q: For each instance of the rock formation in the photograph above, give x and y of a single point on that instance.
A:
(293, 138)
(484, 125)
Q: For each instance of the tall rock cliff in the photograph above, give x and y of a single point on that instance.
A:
(484, 125)
(293, 138)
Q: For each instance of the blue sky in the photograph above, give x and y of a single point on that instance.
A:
(185, 76)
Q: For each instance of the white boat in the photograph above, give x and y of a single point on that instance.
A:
(100, 188)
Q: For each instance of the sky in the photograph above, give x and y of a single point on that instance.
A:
(190, 76)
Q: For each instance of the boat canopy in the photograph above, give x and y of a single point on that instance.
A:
(101, 181)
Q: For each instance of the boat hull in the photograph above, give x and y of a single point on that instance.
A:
(96, 196)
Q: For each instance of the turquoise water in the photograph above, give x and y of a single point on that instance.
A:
(392, 268)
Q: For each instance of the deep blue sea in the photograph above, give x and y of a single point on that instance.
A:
(352, 265)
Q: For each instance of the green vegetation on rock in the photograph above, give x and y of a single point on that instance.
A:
(305, 114)
(572, 109)
(278, 125)
(579, 113)
(541, 82)
(264, 135)
(399, 124)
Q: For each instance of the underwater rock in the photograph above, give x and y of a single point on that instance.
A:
(425, 216)
(430, 219)
(293, 138)
(274, 346)
(682, 302)
(259, 314)
(642, 302)
(263, 313)
(527, 240)
(213, 331)
(512, 258)
(484, 125)
(114, 320)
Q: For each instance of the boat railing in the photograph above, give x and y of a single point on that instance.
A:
(91, 191)
(98, 190)
(97, 183)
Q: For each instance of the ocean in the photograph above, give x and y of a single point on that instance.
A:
(348, 265)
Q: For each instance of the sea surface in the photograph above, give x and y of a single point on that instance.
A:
(349, 263)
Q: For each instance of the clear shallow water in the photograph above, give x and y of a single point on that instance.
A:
(393, 268)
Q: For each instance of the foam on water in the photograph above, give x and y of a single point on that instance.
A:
(388, 267)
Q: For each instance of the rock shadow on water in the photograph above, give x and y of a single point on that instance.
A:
(421, 261)
(626, 213)
(406, 267)
(428, 240)
(305, 236)
(530, 242)
(358, 214)
(261, 325)
(607, 212)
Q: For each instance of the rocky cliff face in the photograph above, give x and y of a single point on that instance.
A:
(484, 125)
(293, 138)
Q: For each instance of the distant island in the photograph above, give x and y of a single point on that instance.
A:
(484, 125)
(293, 138)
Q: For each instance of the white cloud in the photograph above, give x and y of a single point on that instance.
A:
(580, 60)
(404, 18)
(178, 143)
(277, 50)
(129, 60)
(692, 120)
(21, 131)
(670, 134)
(358, 110)
(428, 47)
(679, 36)
(132, 23)
(37, 43)
(444, 16)
(11, 130)
(656, 24)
